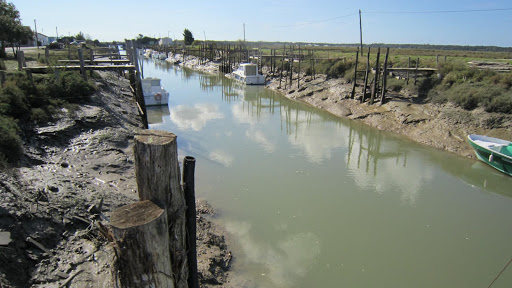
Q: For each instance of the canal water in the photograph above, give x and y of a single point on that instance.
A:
(311, 200)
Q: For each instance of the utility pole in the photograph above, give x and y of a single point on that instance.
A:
(57, 32)
(361, 32)
(244, 33)
(37, 38)
(204, 32)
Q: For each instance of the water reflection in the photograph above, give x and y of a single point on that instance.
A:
(287, 261)
(194, 117)
(156, 114)
(312, 200)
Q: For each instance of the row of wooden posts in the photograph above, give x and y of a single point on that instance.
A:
(155, 238)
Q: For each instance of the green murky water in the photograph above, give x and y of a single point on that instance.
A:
(311, 200)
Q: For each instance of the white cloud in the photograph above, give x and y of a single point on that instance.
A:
(196, 117)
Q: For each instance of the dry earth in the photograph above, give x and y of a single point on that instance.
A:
(74, 173)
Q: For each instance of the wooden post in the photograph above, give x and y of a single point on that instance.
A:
(190, 199)
(437, 61)
(291, 66)
(91, 55)
(416, 71)
(139, 95)
(141, 237)
(366, 74)
(355, 75)
(82, 68)
(21, 60)
(57, 74)
(384, 77)
(298, 73)
(408, 66)
(158, 179)
(376, 79)
(2, 78)
(47, 55)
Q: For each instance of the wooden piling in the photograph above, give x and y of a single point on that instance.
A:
(376, 79)
(2, 78)
(158, 179)
(416, 71)
(47, 55)
(142, 241)
(407, 76)
(190, 200)
(352, 94)
(384, 77)
(366, 74)
(82, 69)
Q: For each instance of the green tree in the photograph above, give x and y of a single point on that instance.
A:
(11, 30)
(80, 36)
(188, 38)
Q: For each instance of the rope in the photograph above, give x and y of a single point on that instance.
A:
(500, 273)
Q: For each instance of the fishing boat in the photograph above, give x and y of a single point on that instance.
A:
(493, 151)
(248, 74)
(154, 93)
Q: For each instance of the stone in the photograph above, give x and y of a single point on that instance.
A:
(5, 238)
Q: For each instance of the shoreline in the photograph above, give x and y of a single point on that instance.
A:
(443, 126)
(73, 174)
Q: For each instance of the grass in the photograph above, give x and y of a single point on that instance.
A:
(37, 101)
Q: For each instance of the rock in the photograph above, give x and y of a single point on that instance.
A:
(5, 238)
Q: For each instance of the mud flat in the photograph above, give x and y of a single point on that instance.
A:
(57, 202)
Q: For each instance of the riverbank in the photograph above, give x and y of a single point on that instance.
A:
(73, 174)
(443, 126)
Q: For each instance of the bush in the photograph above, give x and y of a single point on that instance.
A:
(500, 104)
(13, 101)
(39, 115)
(74, 88)
(10, 142)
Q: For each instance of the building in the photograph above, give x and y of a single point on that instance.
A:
(43, 40)
(165, 41)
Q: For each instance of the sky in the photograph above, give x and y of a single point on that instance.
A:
(456, 22)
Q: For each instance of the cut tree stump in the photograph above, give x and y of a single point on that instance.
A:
(142, 241)
(158, 179)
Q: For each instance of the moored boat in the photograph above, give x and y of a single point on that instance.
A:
(154, 93)
(493, 151)
(248, 74)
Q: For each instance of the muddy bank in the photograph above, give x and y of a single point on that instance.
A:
(57, 202)
(442, 126)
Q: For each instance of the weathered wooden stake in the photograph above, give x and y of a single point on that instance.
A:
(408, 66)
(355, 76)
(158, 179)
(2, 77)
(47, 55)
(82, 68)
(416, 71)
(376, 79)
(384, 77)
(366, 74)
(141, 244)
(190, 199)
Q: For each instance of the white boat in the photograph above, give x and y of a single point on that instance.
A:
(248, 74)
(147, 53)
(154, 93)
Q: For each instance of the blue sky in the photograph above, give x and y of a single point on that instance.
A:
(330, 21)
